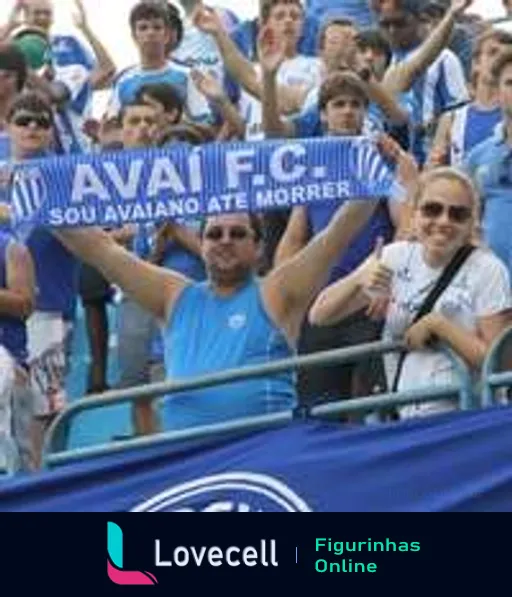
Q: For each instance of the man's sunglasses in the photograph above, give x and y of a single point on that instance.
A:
(40, 120)
(459, 214)
(216, 233)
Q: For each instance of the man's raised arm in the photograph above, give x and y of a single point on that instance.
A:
(241, 69)
(290, 289)
(400, 77)
(272, 56)
(155, 289)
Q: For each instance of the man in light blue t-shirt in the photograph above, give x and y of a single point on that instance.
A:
(490, 166)
(231, 320)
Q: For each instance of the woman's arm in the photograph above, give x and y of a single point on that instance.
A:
(471, 346)
(355, 291)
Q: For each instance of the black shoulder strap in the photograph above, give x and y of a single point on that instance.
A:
(449, 273)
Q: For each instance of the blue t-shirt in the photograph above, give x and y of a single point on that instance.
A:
(180, 260)
(308, 122)
(13, 331)
(207, 333)
(490, 166)
(56, 274)
(471, 126)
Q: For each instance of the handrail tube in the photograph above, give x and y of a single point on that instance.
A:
(59, 430)
(489, 366)
(192, 433)
(377, 401)
(499, 379)
(255, 423)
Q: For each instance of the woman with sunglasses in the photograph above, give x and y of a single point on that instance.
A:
(395, 281)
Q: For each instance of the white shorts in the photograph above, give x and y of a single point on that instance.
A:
(47, 336)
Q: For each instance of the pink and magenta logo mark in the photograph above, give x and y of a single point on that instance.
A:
(115, 561)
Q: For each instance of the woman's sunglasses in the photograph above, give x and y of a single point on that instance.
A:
(235, 233)
(459, 214)
(40, 120)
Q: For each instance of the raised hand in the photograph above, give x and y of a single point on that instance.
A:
(271, 50)
(16, 16)
(407, 168)
(375, 277)
(207, 20)
(438, 157)
(207, 85)
(80, 16)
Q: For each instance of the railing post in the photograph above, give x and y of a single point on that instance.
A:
(489, 368)
(467, 399)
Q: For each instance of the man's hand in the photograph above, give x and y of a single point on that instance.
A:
(207, 20)
(407, 168)
(208, 85)
(17, 15)
(271, 50)
(438, 157)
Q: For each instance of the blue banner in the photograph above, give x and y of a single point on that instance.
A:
(183, 181)
(454, 462)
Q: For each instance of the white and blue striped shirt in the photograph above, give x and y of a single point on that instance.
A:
(439, 87)
(73, 65)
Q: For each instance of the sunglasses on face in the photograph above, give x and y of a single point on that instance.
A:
(235, 233)
(459, 214)
(40, 120)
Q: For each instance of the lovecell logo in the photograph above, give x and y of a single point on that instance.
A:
(115, 561)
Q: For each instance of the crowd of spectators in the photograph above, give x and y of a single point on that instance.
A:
(426, 81)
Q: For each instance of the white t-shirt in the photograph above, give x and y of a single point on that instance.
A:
(300, 70)
(481, 288)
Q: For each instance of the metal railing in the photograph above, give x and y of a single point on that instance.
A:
(58, 435)
(492, 379)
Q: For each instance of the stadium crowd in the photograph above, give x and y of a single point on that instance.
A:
(426, 81)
